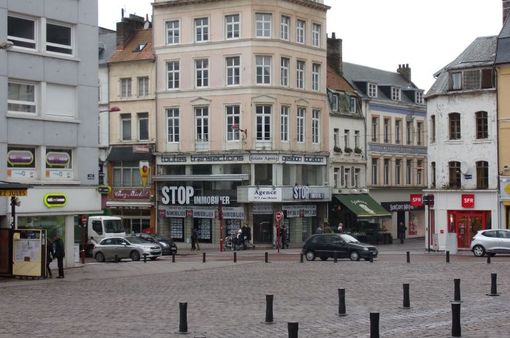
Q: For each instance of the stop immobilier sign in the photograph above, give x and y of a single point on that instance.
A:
(278, 216)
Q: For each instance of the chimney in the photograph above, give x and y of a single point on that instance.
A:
(506, 10)
(405, 71)
(126, 29)
(335, 53)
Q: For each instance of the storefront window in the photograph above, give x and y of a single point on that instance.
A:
(231, 226)
(204, 229)
(177, 229)
(53, 224)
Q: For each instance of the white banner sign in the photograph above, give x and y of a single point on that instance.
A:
(265, 194)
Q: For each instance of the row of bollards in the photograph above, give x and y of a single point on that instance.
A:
(408, 257)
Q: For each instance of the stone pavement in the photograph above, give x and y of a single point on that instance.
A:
(227, 300)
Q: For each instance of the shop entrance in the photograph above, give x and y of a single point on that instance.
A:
(262, 229)
(466, 224)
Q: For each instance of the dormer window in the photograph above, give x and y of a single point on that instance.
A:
(472, 79)
(372, 90)
(396, 93)
(140, 47)
(334, 102)
(352, 104)
(418, 97)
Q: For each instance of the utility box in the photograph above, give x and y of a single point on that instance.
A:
(451, 242)
(29, 252)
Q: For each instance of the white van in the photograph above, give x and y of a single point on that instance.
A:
(99, 227)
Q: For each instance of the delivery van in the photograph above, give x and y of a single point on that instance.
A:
(99, 227)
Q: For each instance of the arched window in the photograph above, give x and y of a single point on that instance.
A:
(482, 175)
(482, 127)
(454, 124)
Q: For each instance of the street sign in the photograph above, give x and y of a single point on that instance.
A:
(104, 189)
(278, 216)
(55, 200)
(83, 219)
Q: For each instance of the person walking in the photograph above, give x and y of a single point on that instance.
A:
(59, 253)
(340, 228)
(194, 240)
(49, 258)
(401, 230)
(284, 237)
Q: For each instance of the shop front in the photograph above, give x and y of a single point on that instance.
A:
(466, 224)
(413, 217)
(134, 206)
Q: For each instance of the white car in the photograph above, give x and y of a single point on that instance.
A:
(116, 248)
(491, 242)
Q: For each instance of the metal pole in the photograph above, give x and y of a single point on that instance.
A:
(447, 256)
(408, 257)
(456, 292)
(183, 317)
(293, 328)
(13, 212)
(269, 308)
(456, 330)
(374, 324)
(235, 257)
(341, 302)
(301, 258)
(406, 302)
(266, 257)
(203, 257)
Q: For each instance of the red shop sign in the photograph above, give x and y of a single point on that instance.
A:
(416, 200)
(468, 200)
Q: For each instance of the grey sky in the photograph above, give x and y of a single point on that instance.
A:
(383, 34)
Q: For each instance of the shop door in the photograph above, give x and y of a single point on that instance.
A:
(466, 227)
(263, 229)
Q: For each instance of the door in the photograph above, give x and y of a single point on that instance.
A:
(466, 226)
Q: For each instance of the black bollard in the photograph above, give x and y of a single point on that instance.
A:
(301, 258)
(335, 257)
(447, 256)
(203, 257)
(173, 258)
(456, 320)
(488, 259)
(235, 257)
(266, 258)
(374, 324)
(269, 308)
(293, 329)
(406, 303)
(494, 285)
(183, 317)
(145, 258)
(116, 259)
(408, 255)
(456, 291)
(341, 303)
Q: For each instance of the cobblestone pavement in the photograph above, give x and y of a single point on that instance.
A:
(228, 300)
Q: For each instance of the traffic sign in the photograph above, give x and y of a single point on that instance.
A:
(278, 216)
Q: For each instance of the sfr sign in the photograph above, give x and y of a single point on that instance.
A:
(416, 200)
(468, 200)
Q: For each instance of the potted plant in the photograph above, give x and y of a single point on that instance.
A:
(357, 150)
(337, 149)
(348, 150)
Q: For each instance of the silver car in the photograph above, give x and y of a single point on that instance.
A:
(491, 242)
(116, 248)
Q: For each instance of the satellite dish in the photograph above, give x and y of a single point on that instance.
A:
(464, 168)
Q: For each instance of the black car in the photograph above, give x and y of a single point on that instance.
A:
(167, 245)
(341, 245)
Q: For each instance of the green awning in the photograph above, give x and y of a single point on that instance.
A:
(362, 205)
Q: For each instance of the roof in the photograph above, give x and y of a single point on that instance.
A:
(503, 46)
(337, 82)
(480, 53)
(107, 44)
(131, 51)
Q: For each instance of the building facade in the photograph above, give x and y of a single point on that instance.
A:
(463, 152)
(242, 117)
(48, 114)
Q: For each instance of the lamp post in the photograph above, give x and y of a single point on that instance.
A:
(220, 218)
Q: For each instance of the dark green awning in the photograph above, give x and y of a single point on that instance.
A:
(362, 205)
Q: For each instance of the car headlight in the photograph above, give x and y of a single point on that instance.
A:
(365, 249)
(163, 244)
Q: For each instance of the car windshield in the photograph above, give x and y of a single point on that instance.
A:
(349, 238)
(113, 226)
(136, 240)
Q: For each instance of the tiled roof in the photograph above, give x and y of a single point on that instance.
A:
(337, 82)
(131, 51)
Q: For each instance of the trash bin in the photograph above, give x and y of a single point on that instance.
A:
(451, 242)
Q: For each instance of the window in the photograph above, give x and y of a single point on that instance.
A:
(409, 132)
(300, 31)
(173, 74)
(387, 131)
(371, 90)
(356, 139)
(126, 174)
(419, 172)
(61, 100)
(316, 35)
(233, 70)
(395, 93)
(375, 170)
(284, 27)
(59, 38)
(173, 33)
(347, 136)
(454, 177)
(143, 86)
(233, 122)
(21, 32)
(172, 116)
(263, 69)
(433, 174)
(201, 29)
(398, 131)
(284, 71)
(419, 133)
(386, 172)
(398, 172)
(202, 124)
(456, 81)
(315, 125)
(143, 126)
(263, 25)
(316, 71)
(356, 178)
(125, 87)
(22, 97)
(482, 127)
(347, 177)
(335, 177)
(232, 26)
(433, 129)
(418, 97)
(263, 113)
(202, 73)
(353, 104)
(336, 137)
(482, 175)
(454, 123)
(375, 129)
(284, 124)
(334, 102)
(409, 172)
(471, 79)
(125, 124)
(300, 137)
(300, 74)
(487, 78)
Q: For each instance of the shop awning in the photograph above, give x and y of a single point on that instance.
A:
(362, 205)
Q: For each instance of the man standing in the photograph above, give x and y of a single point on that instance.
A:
(59, 253)
(401, 229)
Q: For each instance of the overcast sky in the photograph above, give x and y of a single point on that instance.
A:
(382, 34)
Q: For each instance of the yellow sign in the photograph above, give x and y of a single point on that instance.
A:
(55, 200)
(144, 171)
(13, 192)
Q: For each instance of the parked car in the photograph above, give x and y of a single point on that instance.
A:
(341, 245)
(491, 242)
(133, 247)
(167, 245)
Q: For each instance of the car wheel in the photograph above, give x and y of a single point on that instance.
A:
(354, 256)
(99, 257)
(478, 251)
(310, 256)
(324, 258)
(135, 255)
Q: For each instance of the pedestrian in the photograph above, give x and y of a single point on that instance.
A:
(59, 253)
(49, 258)
(284, 237)
(401, 232)
(194, 240)
(318, 230)
(245, 233)
(340, 228)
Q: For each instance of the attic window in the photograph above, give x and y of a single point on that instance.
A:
(140, 47)
(395, 93)
(372, 90)
(418, 97)
(334, 102)
(472, 79)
